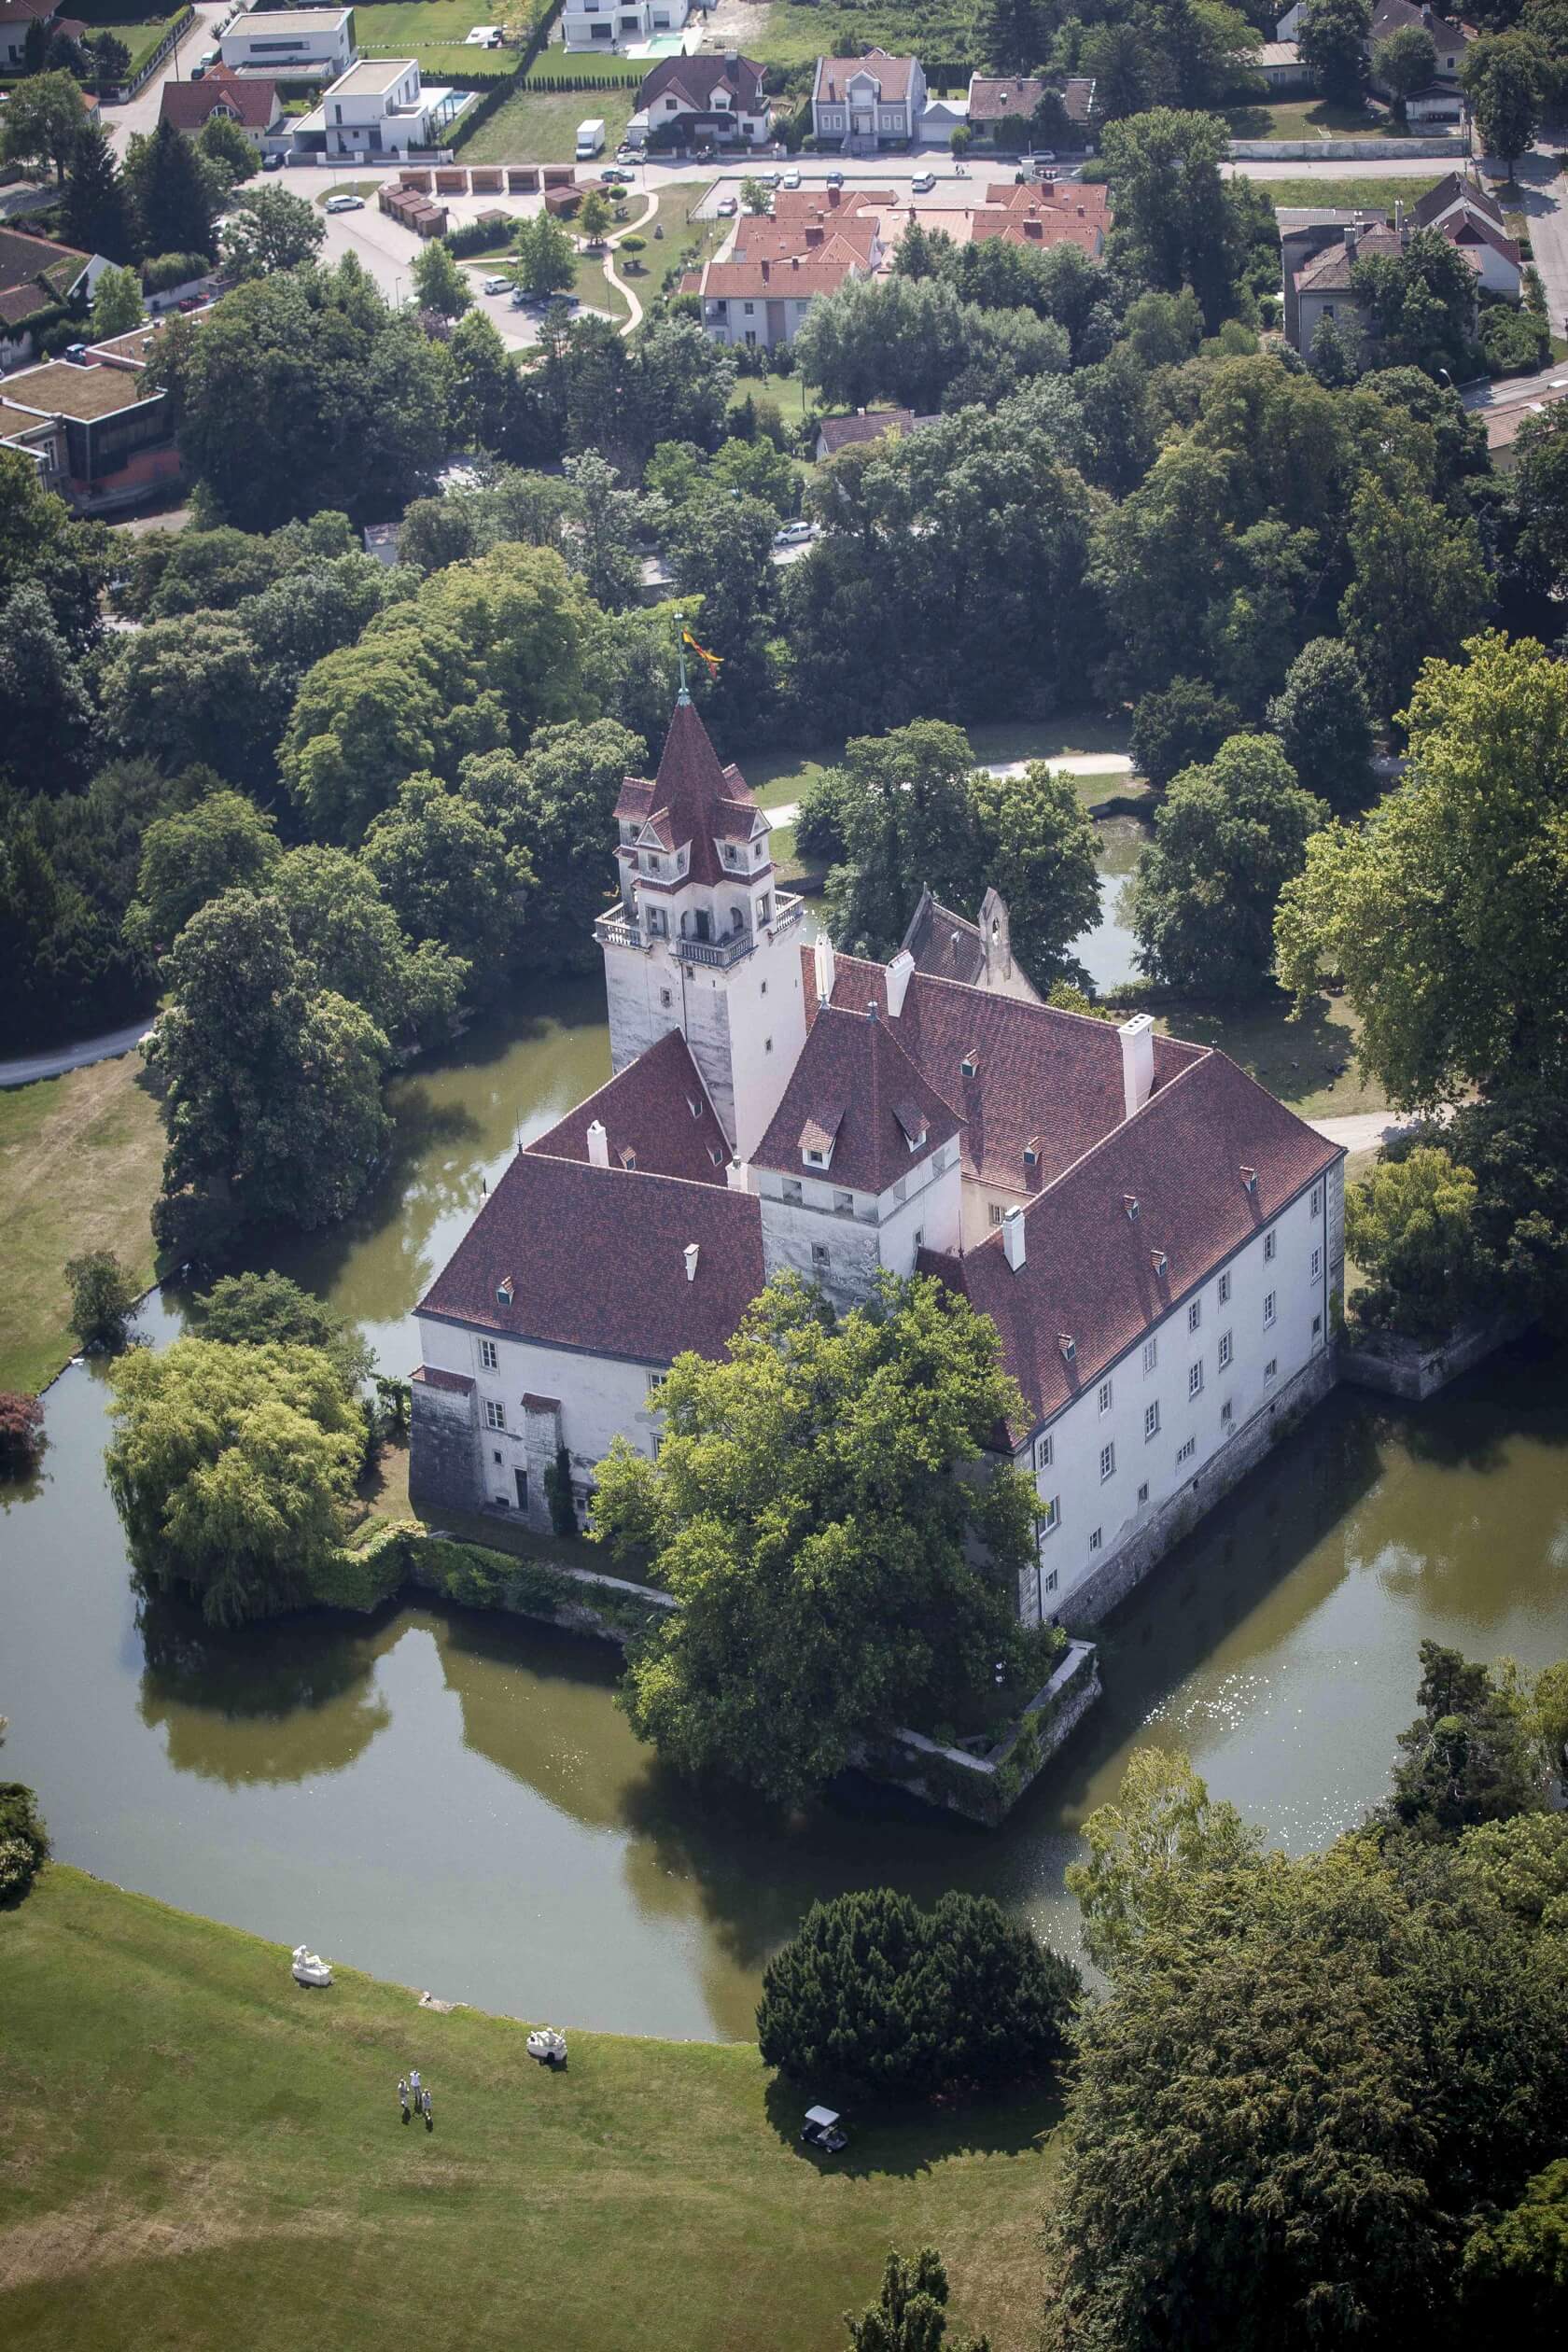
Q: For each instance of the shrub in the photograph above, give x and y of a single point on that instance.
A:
(22, 1432)
(1514, 341)
(23, 1839)
(1410, 1228)
(877, 1999)
(558, 1493)
(103, 1299)
(164, 270)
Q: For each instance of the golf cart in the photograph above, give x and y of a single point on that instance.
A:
(822, 2129)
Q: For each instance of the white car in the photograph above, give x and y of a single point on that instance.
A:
(922, 183)
(793, 534)
(497, 286)
(345, 204)
(725, 207)
(791, 179)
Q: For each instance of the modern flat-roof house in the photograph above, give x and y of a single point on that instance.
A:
(632, 27)
(294, 44)
(39, 279)
(700, 98)
(249, 101)
(379, 107)
(863, 102)
(95, 440)
(1157, 1240)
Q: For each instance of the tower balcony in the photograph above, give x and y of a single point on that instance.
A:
(722, 953)
(613, 931)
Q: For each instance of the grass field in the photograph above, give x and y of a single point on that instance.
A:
(411, 24)
(199, 2154)
(778, 776)
(80, 1159)
(1297, 1060)
(1366, 194)
(1309, 118)
(539, 126)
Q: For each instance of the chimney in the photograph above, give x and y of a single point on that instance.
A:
(823, 955)
(898, 981)
(1013, 1237)
(690, 1254)
(732, 58)
(1138, 1060)
(1399, 219)
(871, 1009)
(735, 1175)
(1352, 239)
(598, 1146)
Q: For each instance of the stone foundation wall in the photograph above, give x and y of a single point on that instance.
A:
(1414, 1369)
(1142, 1551)
(444, 1464)
(985, 1789)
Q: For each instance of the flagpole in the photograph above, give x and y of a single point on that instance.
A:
(685, 693)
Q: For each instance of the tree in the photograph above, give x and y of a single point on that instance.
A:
(340, 922)
(1174, 217)
(1507, 77)
(1325, 727)
(103, 1298)
(1012, 34)
(1161, 1843)
(1117, 55)
(1042, 855)
(193, 855)
(225, 145)
(1410, 1227)
(1183, 726)
(721, 548)
(1226, 839)
(1515, 2277)
(43, 118)
(1405, 63)
(1541, 490)
(606, 546)
(448, 876)
(1331, 37)
(173, 190)
(1419, 586)
(233, 1470)
(95, 210)
(24, 1846)
(117, 303)
(21, 1434)
(544, 261)
(907, 816)
(594, 217)
(1516, 1141)
(267, 1310)
(273, 1088)
(45, 710)
(1409, 909)
(876, 1999)
(556, 805)
(1468, 1758)
(755, 197)
(1420, 304)
(189, 692)
(910, 2315)
(485, 393)
(271, 228)
(441, 284)
(824, 1571)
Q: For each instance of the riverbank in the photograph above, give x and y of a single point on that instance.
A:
(81, 1160)
(189, 2136)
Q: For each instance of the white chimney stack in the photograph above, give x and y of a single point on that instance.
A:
(598, 1146)
(1013, 1237)
(898, 972)
(735, 1175)
(1138, 1060)
(690, 1256)
(823, 951)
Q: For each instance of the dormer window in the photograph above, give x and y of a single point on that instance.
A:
(504, 1292)
(1031, 1152)
(971, 1064)
(1130, 1203)
(1158, 1260)
(628, 1157)
(1249, 1179)
(695, 1108)
(815, 1159)
(1068, 1345)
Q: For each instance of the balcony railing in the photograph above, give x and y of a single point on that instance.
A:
(719, 952)
(611, 931)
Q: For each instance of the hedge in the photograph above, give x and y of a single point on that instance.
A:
(164, 270)
(400, 1554)
(613, 73)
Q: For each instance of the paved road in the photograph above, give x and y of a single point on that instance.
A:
(33, 1067)
(141, 112)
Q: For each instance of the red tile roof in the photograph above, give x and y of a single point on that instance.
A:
(1041, 1076)
(816, 205)
(251, 100)
(839, 432)
(691, 799)
(596, 1260)
(1090, 1269)
(26, 11)
(1088, 198)
(855, 1087)
(455, 1383)
(945, 946)
(695, 80)
(648, 1110)
(797, 279)
(892, 75)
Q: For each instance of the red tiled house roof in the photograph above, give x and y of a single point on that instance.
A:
(252, 101)
(695, 80)
(657, 1110)
(596, 1260)
(35, 273)
(1092, 1272)
(856, 1096)
(841, 432)
(691, 799)
(892, 75)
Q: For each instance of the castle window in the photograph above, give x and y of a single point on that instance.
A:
(1271, 1370)
(1271, 1244)
(665, 999)
(820, 1257)
(1143, 1494)
(495, 1415)
(1050, 1514)
(1094, 1540)
(816, 1159)
(1224, 1290)
(1107, 1463)
(844, 1204)
(1105, 1396)
(1151, 1354)
(1151, 1422)
(997, 1212)
(1317, 1200)
(1269, 1311)
(1224, 1350)
(1227, 1416)
(1195, 1315)
(1195, 1377)
(1317, 1263)
(488, 1359)
(1185, 1454)
(1044, 1449)
(793, 1190)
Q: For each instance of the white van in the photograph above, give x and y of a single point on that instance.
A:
(590, 138)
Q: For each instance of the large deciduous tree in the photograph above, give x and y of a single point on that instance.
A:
(449, 876)
(1507, 77)
(339, 919)
(1332, 39)
(1409, 1230)
(556, 805)
(905, 814)
(1226, 838)
(195, 854)
(1040, 853)
(1175, 219)
(1325, 727)
(43, 122)
(1419, 586)
(189, 692)
(271, 228)
(804, 1512)
(1446, 913)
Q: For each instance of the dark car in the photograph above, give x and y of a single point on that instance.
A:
(271, 162)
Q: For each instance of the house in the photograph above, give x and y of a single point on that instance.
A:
(860, 103)
(758, 290)
(249, 102)
(293, 44)
(16, 19)
(686, 99)
(98, 440)
(1471, 218)
(1318, 255)
(1157, 1240)
(866, 425)
(38, 281)
(998, 98)
(1451, 39)
(626, 25)
(380, 106)
(1278, 65)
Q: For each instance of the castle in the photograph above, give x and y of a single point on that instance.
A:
(1157, 1240)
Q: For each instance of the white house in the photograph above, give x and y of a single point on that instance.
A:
(868, 102)
(620, 24)
(717, 98)
(1157, 1240)
(294, 44)
(380, 107)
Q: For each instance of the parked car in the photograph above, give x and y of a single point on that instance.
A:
(922, 183)
(725, 207)
(791, 178)
(497, 286)
(271, 162)
(345, 204)
(793, 534)
(613, 178)
(835, 179)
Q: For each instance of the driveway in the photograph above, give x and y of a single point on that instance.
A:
(108, 1047)
(141, 112)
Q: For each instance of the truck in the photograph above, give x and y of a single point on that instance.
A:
(590, 138)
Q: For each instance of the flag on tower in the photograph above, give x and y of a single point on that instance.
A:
(715, 661)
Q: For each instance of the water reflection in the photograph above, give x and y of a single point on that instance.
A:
(262, 1703)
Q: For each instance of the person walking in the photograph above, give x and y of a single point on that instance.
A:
(403, 2098)
(413, 2085)
(430, 2116)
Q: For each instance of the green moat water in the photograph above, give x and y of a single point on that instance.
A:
(454, 1802)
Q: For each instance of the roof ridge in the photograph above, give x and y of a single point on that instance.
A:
(1160, 1094)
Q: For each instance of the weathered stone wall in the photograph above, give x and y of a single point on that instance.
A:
(1415, 1370)
(443, 1449)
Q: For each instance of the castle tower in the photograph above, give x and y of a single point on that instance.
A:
(702, 941)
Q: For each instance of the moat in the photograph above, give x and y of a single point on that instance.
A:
(455, 1803)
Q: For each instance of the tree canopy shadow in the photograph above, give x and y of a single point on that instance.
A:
(907, 2141)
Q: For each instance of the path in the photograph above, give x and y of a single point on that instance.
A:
(141, 113)
(631, 229)
(32, 1067)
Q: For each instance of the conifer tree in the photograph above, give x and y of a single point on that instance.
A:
(96, 216)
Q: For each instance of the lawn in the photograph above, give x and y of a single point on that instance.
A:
(1368, 194)
(539, 126)
(1309, 118)
(1297, 1060)
(80, 1159)
(798, 35)
(779, 776)
(199, 2153)
(790, 394)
